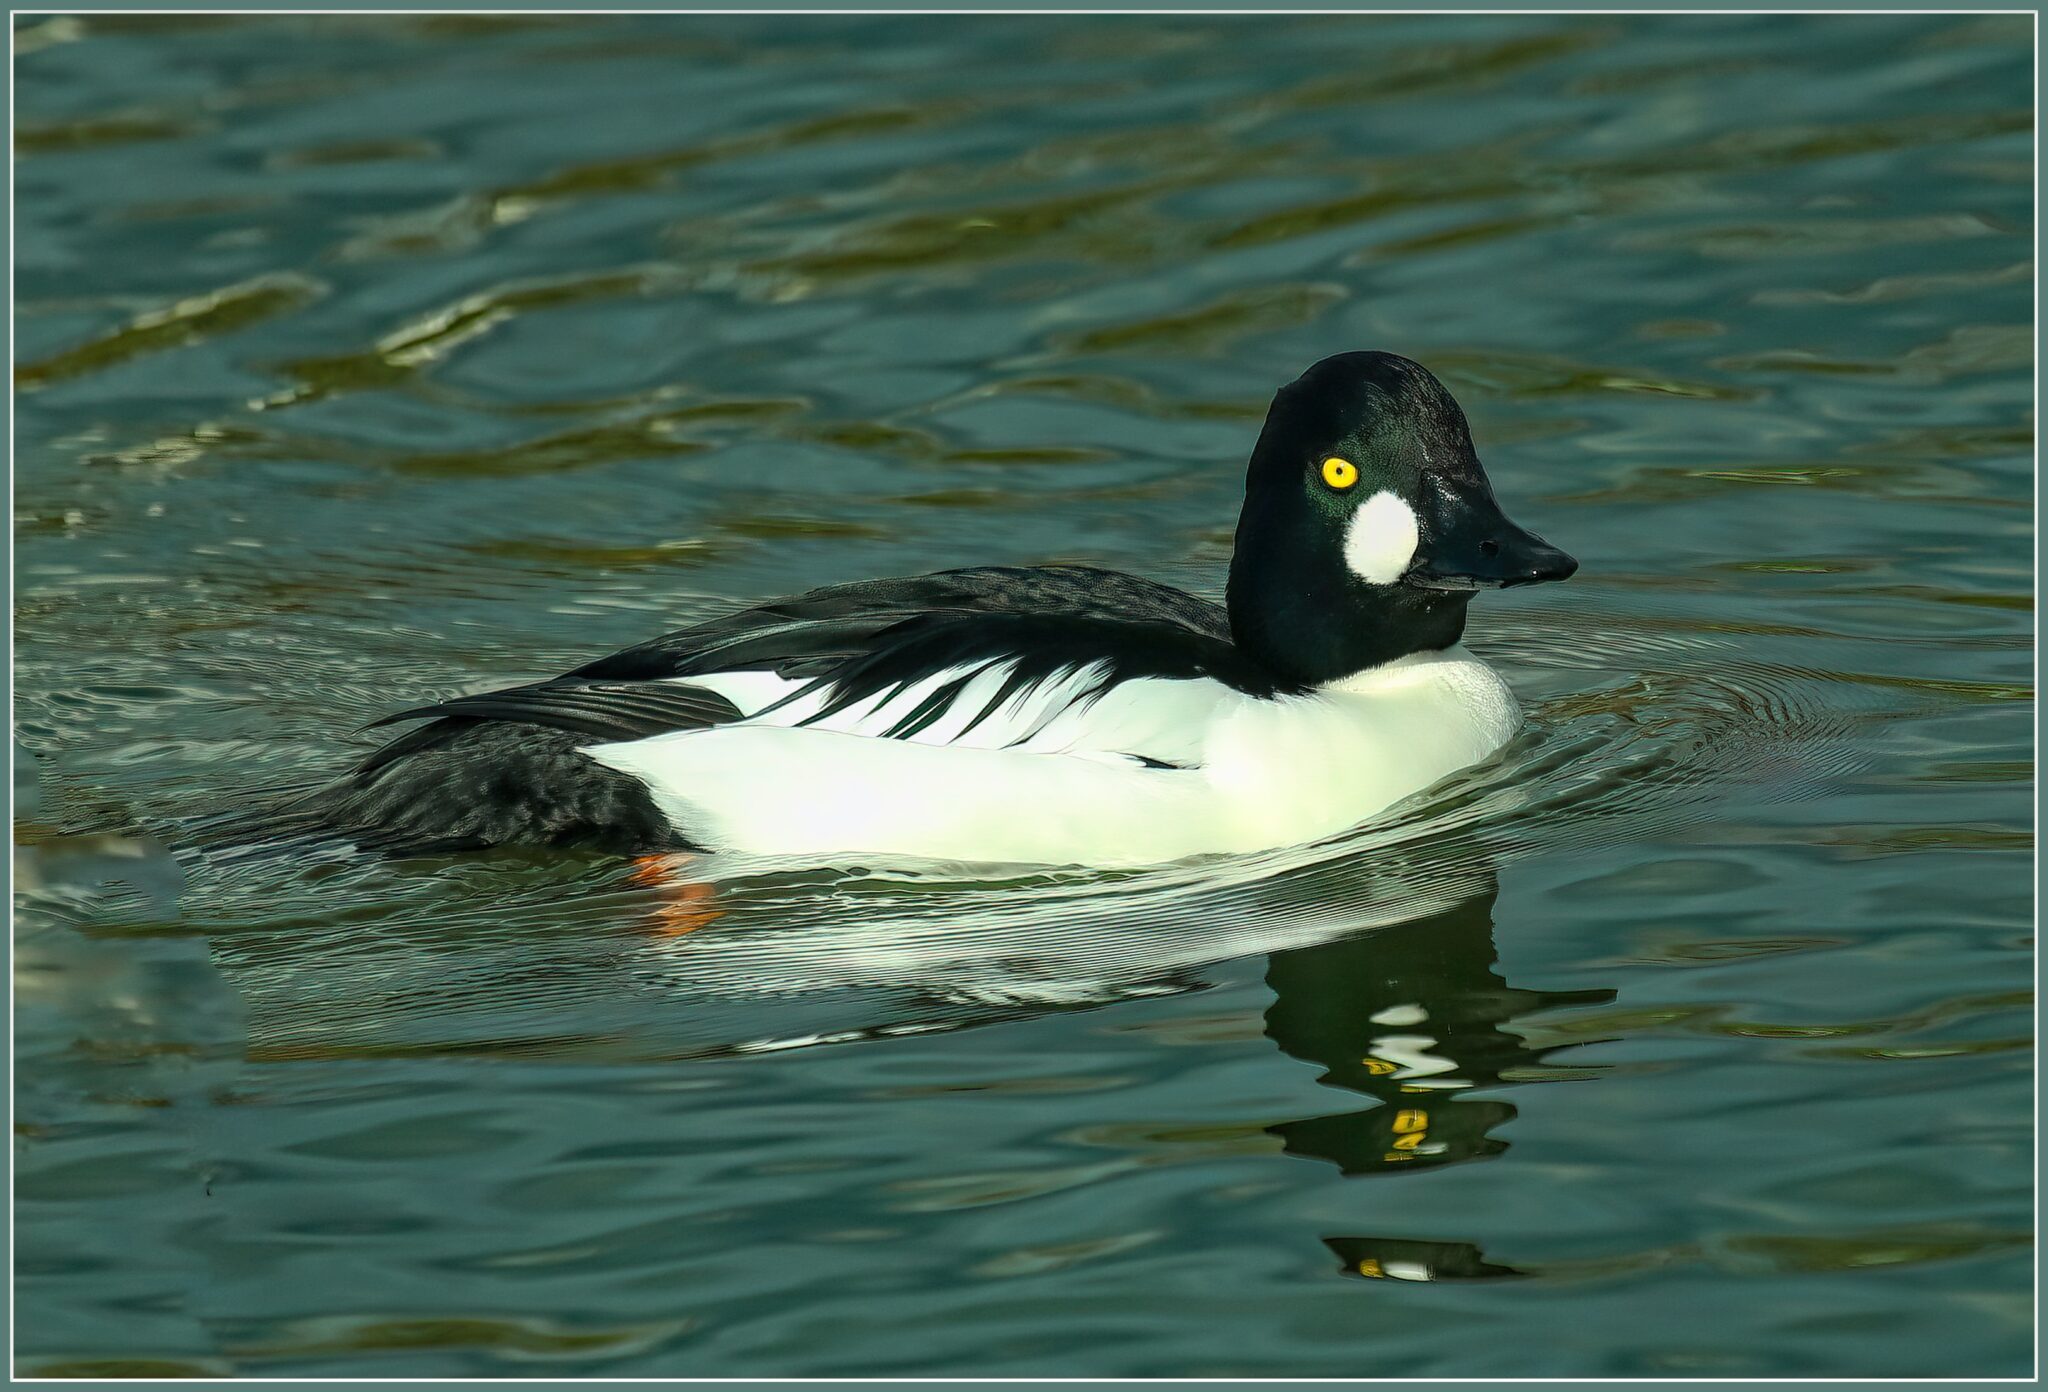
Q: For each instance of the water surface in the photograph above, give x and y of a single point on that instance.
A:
(363, 361)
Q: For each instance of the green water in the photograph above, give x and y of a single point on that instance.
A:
(364, 361)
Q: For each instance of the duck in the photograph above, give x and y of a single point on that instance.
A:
(1047, 715)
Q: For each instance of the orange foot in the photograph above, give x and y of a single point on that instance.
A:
(681, 906)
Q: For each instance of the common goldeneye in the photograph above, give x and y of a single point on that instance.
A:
(1054, 714)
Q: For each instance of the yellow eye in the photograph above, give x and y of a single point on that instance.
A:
(1339, 473)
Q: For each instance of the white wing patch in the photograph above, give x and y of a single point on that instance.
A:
(1162, 719)
(1066, 712)
(1157, 720)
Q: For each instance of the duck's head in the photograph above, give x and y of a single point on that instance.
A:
(1368, 524)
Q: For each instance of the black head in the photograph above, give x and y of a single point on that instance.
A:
(1368, 524)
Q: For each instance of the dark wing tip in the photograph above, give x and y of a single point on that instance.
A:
(606, 711)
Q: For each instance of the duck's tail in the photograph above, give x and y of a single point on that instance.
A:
(271, 820)
(458, 785)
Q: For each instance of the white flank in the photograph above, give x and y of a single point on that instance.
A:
(1258, 773)
(1380, 539)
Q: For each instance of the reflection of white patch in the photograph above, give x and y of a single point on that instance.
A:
(1409, 1014)
(1417, 1064)
(1381, 538)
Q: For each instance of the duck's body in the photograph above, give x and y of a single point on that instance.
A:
(1153, 769)
(1053, 715)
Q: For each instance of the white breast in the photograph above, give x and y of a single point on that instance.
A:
(1052, 783)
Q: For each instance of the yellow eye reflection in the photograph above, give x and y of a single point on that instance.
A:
(1339, 473)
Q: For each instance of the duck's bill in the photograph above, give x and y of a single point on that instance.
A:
(1483, 551)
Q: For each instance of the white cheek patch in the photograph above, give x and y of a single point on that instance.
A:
(1380, 540)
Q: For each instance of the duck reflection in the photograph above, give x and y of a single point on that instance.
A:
(1413, 1016)
(1416, 1017)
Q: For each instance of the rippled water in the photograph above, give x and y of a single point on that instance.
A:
(362, 361)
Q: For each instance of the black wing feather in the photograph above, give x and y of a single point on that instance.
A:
(813, 634)
(611, 710)
(601, 710)
(867, 638)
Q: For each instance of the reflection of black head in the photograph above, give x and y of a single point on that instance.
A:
(1413, 1016)
(1406, 1259)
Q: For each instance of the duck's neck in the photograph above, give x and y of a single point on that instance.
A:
(1307, 625)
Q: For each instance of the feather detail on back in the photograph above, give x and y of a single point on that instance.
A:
(985, 658)
(611, 710)
(820, 631)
